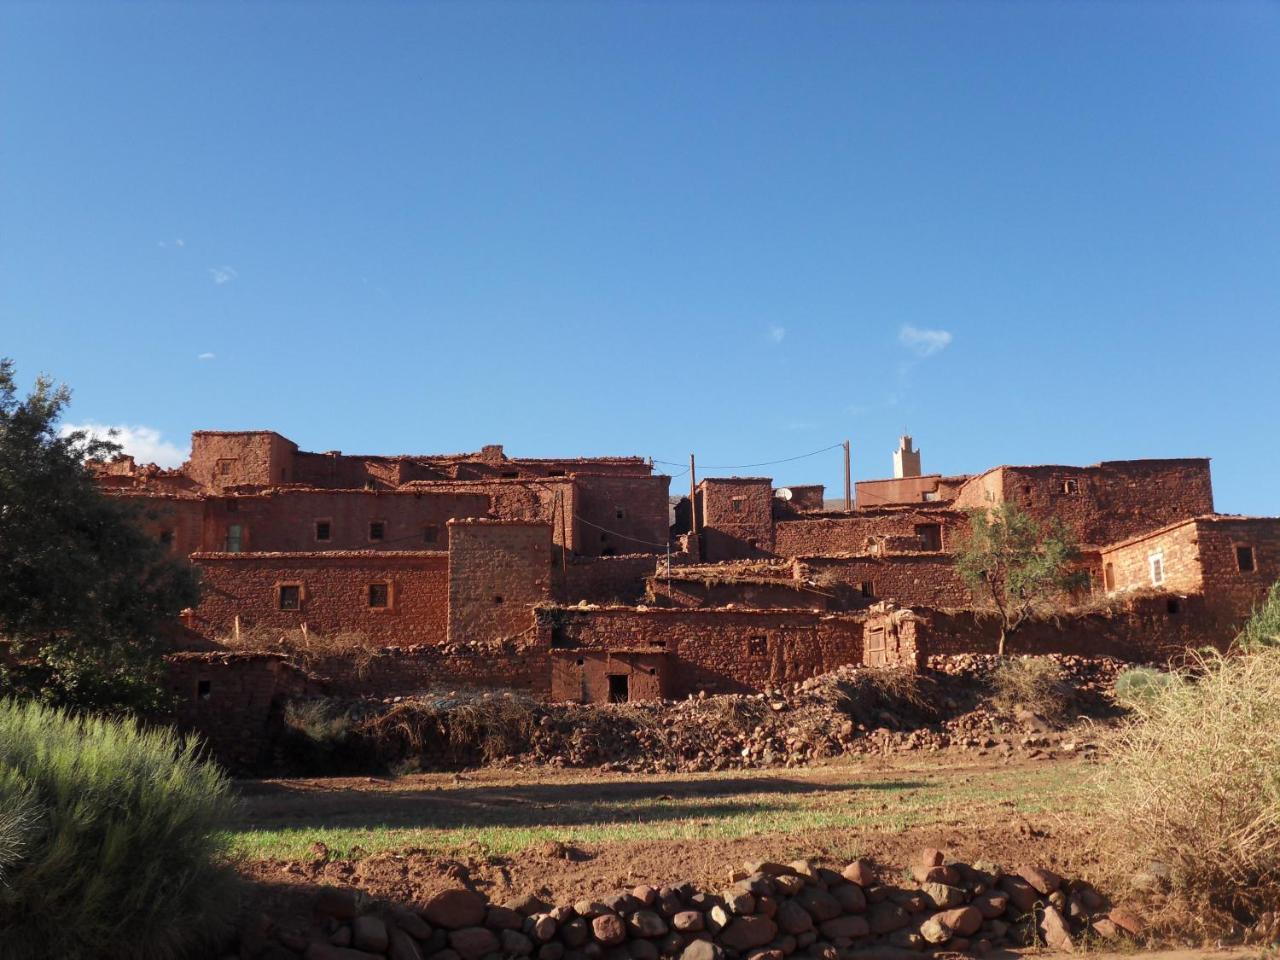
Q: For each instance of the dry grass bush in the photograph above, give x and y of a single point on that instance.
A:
(1189, 798)
(480, 726)
(306, 648)
(1036, 683)
(900, 691)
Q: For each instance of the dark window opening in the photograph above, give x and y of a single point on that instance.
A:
(1026, 490)
(323, 530)
(1070, 486)
(289, 597)
(1109, 576)
(653, 671)
(753, 544)
(580, 661)
(235, 538)
(509, 474)
(930, 536)
(739, 504)
(867, 588)
(497, 598)
(166, 537)
(1244, 559)
(204, 689)
(379, 595)
(377, 530)
(225, 467)
(555, 473)
(757, 647)
(431, 533)
(619, 513)
(608, 552)
(1173, 606)
(619, 688)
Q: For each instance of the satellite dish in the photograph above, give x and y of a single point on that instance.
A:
(783, 493)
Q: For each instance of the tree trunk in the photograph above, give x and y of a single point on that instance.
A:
(1000, 645)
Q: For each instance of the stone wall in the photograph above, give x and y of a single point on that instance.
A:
(735, 518)
(497, 570)
(922, 579)
(618, 579)
(855, 533)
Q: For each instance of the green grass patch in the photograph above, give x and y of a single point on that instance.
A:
(508, 820)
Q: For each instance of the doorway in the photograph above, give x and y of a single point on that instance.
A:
(619, 688)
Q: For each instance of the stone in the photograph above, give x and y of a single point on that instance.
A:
(590, 909)
(845, 927)
(473, 943)
(1021, 894)
(1044, 882)
(503, 918)
(766, 906)
(608, 929)
(341, 937)
(444, 954)
(740, 901)
(527, 905)
(403, 946)
(575, 932)
(410, 922)
(942, 896)
(369, 933)
(935, 931)
(930, 857)
(850, 897)
(1057, 934)
(789, 884)
(646, 923)
(338, 902)
(793, 918)
(455, 909)
(551, 951)
(669, 904)
(1127, 920)
(965, 921)
(820, 904)
(1106, 929)
(647, 895)
(319, 950)
(544, 928)
(687, 921)
(514, 943)
(642, 950)
(702, 950)
(860, 872)
(885, 917)
(718, 918)
(991, 905)
(743, 933)
(944, 874)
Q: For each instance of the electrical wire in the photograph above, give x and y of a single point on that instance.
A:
(765, 463)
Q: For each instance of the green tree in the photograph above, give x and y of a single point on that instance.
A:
(1263, 627)
(85, 592)
(1025, 568)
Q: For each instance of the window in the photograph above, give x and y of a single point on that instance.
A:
(289, 596)
(1244, 558)
(497, 598)
(739, 504)
(379, 596)
(990, 495)
(867, 588)
(929, 496)
(509, 474)
(204, 689)
(757, 646)
(1173, 606)
(1070, 485)
(166, 538)
(430, 533)
(930, 536)
(226, 467)
(619, 688)
(1155, 562)
(324, 531)
(235, 538)
(377, 529)
(753, 544)
(555, 473)
(1109, 576)
(619, 513)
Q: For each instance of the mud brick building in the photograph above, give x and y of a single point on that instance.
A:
(569, 578)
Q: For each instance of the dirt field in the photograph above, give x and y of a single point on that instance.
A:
(569, 834)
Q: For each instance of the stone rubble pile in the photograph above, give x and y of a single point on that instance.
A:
(769, 911)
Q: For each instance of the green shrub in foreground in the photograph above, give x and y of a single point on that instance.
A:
(1138, 686)
(110, 839)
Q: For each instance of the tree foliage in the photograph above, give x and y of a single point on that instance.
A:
(1024, 568)
(1263, 627)
(84, 591)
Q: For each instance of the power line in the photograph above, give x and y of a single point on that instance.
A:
(766, 463)
(615, 533)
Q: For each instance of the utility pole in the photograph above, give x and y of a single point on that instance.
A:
(848, 482)
(693, 498)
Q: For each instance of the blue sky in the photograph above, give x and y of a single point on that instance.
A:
(1023, 232)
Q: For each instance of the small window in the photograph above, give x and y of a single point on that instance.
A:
(929, 496)
(930, 536)
(1070, 485)
(1245, 558)
(757, 646)
(324, 531)
(619, 688)
(377, 530)
(739, 504)
(1173, 606)
(226, 467)
(608, 552)
(166, 538)
(990, 495)
(867, 588)
(555, 473)
(204, 689)
(235, 538)
(289, 596)
(379, 596)
(1156, 564)
(509, 474)
(580, 661)
(430, 533)
(753, 544)
(1109, 576)
(497, 598)
(619, 514)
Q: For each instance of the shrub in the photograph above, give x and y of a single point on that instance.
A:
(476, 727)
(109, 839)
(1192, 785)
(1138, 686)
(1263, 628)
(1036, 683)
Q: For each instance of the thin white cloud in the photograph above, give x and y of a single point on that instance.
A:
(924, 343)
(144, 444)
(223, 275)
(172, 243)
(206, 356)
(777, 333)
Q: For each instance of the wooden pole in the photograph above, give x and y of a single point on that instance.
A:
(693, 498)
(848, 480)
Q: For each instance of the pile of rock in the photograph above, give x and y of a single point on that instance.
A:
(769, 911)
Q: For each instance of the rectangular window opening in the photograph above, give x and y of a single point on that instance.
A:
(379, 596)
(324, 530)
(204, 689)
(235, 538)
(867, 588)
(930, 536)
(289, 596)
(1070, 485)
(1245, 559)
(757, 646)
(739, 504)
(226, 467)
(1109, 576)
(166, 538)
(1156, 564)
(430, 533)
(1173, 606)
(377, 530)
